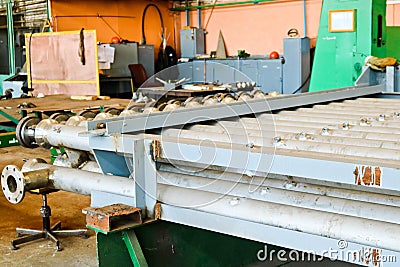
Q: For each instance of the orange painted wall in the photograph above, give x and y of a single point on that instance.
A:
(393, 15)
(127, 28)
(259, 28)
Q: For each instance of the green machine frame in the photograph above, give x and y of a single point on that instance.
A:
(162, 243)
(349, 31)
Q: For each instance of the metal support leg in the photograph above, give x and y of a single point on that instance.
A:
(48, 232)
(134, 249)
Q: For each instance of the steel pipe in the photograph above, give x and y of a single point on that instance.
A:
(314, 119)
(304, 133)
(341, 227)
(285, 143)
(263, 193)
(36, 174)
(320, 125)
(372, 116)
(285, 183)
(49, 133)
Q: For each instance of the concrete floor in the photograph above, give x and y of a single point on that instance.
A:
(66, 207)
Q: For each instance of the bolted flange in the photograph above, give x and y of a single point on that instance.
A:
(12, 184)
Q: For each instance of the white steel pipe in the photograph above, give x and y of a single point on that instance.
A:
(15, 182)
(49, 133)
(372, 116)
(281, 196)
(342, 227)
(286, 183)
(282, 143)
(332, 110)
(355, 126)
(352, 138)
(314, 119)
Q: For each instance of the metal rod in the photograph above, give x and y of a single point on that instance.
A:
(93, 16)
(227, 4)
(305, 17)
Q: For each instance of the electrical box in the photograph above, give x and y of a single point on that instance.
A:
(124, 55)
(146, 58)
(296, 69)
(192, 42)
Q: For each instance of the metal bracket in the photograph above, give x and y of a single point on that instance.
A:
(156, 149)
(113, 217)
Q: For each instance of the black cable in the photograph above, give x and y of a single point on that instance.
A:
(143, 19)
(304, 83)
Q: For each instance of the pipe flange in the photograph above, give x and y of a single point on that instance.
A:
(25, 131)
(12, 184)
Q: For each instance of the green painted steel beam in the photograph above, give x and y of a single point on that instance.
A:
(134, 249)
(9, 117)
(7, 128)
(10, 37)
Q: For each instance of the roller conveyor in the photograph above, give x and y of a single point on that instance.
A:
(299, 176)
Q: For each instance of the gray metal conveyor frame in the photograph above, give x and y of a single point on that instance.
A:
(288, 173)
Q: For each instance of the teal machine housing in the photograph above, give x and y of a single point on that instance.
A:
(349, 31)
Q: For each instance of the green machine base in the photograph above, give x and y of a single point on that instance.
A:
(163, 243)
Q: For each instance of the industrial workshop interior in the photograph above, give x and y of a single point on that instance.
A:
(200, 133)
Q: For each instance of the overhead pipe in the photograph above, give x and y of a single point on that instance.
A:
(199, 15)
(305, 17)
(187, 13)
(227, 4)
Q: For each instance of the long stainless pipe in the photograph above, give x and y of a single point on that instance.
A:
(341, 227)
(261, 192)
(292, 144)
(35, 175)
